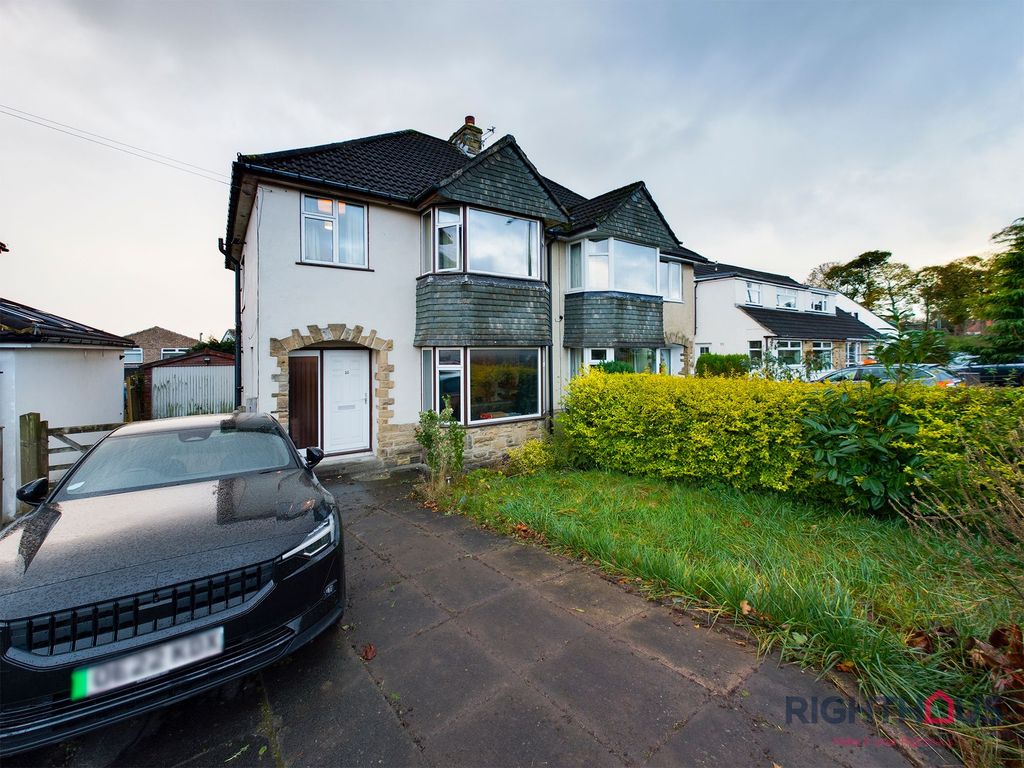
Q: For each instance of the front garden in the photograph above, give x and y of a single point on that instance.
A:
(876, 530)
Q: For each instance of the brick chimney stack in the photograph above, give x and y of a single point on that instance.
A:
(468, 138)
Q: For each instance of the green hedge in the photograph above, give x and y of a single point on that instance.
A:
(711, 364)
(755, 434)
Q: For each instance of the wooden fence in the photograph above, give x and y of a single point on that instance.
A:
(40, 442)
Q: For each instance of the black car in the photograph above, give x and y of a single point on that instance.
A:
(175, 555)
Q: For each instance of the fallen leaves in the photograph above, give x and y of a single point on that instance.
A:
(368, 653)
(525, 532)
(846, 666)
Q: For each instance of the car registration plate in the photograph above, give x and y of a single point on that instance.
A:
(158, 660)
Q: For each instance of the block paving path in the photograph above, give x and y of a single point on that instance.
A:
(492, 652)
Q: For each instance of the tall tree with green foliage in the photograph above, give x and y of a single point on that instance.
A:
(873, 279)
(856, 279)
(952, 294)
(1004, 304)
(819, 276)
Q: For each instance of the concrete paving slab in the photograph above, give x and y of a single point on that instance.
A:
(392, 615)
(698, 654)
(521, 628)
(630, 703)
(467, 581)
(436, 676)
(517, 727)
(528, 562)
(596, 600)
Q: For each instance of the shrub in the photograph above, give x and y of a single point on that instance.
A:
(532, 456)
(614, 366)
(444, 444)
(710, 364)
(873, 446)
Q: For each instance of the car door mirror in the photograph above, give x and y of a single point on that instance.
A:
(34, 493)
(313, 457)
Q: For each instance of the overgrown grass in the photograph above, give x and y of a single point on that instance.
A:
(839, 588)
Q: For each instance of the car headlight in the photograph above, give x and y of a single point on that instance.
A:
(323, 536)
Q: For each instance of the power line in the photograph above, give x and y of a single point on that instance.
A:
(113, 144)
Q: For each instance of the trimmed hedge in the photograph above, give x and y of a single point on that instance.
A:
(711, 364)
(754, 434)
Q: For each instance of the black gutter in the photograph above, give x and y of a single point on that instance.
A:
(223, 247)
(551, 352)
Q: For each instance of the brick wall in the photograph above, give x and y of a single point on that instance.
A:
(152, 340)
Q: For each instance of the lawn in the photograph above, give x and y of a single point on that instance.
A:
(838, 589)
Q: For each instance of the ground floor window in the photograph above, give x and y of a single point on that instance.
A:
(789, 352)
(483, 384)
(853, 353)
(756, 351)
(640, 360)
(822, 352)
(703, 349)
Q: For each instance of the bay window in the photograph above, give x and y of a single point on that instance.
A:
(333, 232)
(426, 243)
(670, 280)
(503, 245)
(497, 383)
(785, 298)
(449, 239)
(606, 264)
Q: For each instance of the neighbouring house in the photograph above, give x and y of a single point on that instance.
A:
(69, 373)
(748, 312)
(156, 343)
(187, 385)
(382, 276)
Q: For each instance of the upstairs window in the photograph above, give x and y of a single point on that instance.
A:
(503, 245)
(753, 293)
(614, 265)
(333, 232)
(670, 279)
(785, 298)
(427, 242)
(449, 239)
(819, 302)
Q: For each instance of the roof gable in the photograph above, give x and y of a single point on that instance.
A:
(628, 213)
(502, 177)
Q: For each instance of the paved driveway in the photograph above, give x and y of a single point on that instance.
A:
(489, 652)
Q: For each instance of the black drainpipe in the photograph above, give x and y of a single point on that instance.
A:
(236, 268)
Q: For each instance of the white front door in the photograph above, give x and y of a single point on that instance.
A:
(346, 400)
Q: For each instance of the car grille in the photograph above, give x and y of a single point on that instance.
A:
(127, 617)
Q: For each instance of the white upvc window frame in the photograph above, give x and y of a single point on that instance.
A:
(787, 344)
(427, 237)
(857, 349)
(439, 368)
(588, 251)
(755, 345)
(468, 386)
(750, 289)
(819, 348)
(134, 351)
(816, 298)
(704, 349)
(335, 261)
(460, 238)
(671, 265)
(166, 353)
(788, 293)
(538, 243)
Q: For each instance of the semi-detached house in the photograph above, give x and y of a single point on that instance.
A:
(382, 276)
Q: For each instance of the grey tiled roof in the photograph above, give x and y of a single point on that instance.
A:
(26, 325)
(565, 196)
(787, 324)
(400, 165)
(712, 270)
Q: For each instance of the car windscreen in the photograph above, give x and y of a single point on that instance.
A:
(131, 462)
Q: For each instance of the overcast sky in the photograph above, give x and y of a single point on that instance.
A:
(774, 134)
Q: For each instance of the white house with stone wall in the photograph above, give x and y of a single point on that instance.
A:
(748, 312)
(383, 276)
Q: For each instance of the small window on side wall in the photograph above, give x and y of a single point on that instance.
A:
(670, 278)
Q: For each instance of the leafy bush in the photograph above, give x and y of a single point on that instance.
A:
(532, 456)
(860, 444)
(872, 447)
(710, 364)
(444, 444)
(614, 366)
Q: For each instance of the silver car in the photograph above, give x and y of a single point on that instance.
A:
(929, 375)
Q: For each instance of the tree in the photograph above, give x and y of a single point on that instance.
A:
(952, 294)
(1004, 304)
(880, 284)
(819, 276)
(211, 342)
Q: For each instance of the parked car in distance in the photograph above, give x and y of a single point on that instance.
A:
(929, 375)
(995, 374)
(176, 555)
